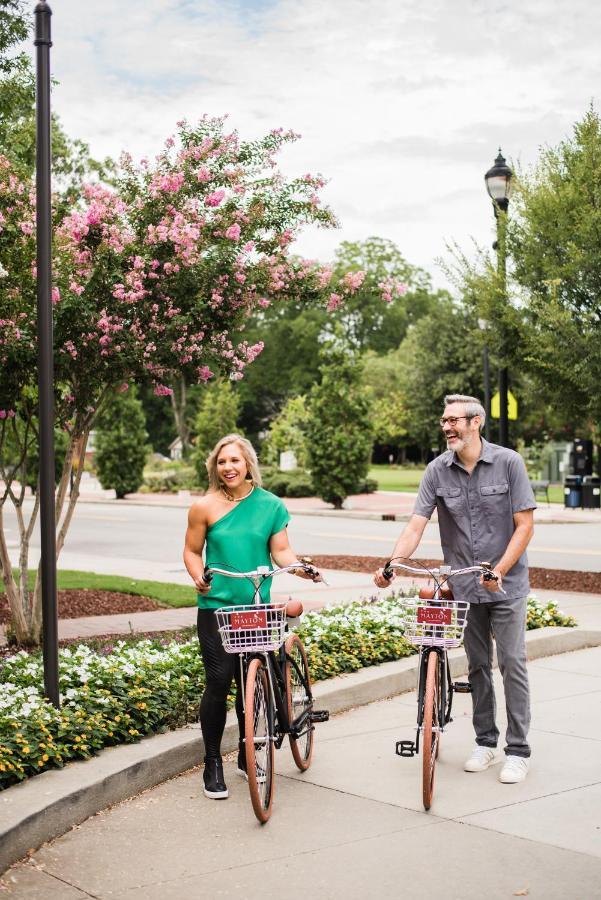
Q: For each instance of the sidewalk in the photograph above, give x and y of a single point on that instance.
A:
(343, 587)
(353, 826)
(391, 504)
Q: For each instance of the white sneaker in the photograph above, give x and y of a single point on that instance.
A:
(481, 759)
(514, 770)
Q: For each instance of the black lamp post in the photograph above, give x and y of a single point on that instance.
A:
(498, 185)
(483, 326)
(43, 42)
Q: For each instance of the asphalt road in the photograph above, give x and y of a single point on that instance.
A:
(119, 539)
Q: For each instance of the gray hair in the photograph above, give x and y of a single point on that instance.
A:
(248, 452)
(472, 405)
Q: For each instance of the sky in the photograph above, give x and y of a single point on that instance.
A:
(401, 105)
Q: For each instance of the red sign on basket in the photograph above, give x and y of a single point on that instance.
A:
(434, 615)
(248, 620)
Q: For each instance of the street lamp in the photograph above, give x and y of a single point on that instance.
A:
(43, 42)
(498, 185)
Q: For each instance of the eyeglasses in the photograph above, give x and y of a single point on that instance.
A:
(452, 420)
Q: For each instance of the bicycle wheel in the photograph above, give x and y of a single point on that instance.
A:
(431, 734)
(258, 727)
(299, 700)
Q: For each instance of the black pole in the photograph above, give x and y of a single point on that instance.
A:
(501, 208)
(486, 370)
(43, 43)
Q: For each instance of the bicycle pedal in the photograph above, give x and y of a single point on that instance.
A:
(406, 748)
(462, 687)
(320, 715)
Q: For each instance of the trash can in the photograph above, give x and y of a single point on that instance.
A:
(591, 492)
(572, 491)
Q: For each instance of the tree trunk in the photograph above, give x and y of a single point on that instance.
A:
(179, 401)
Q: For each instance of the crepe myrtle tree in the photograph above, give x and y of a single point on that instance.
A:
(151, 277)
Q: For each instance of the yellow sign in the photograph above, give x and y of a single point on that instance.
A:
(512, 406)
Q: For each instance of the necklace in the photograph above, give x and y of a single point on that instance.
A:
(231, 499)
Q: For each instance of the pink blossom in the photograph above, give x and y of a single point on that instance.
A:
(354, 280)
(215, 198)
(334, 302)
(56, 296)
(161, 390)
(2, 414)
(233, 232)
(203, 174)
(123, 387)
(204, 373)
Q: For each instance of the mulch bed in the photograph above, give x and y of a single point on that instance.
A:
(547, 579)
(75, 604)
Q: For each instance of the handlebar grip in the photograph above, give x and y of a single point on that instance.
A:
(207, 575)
(387, 572)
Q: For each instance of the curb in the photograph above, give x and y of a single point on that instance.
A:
(52, 803)
(581, 517)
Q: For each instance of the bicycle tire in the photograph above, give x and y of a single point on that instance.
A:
(258, 728)
(299, 700)
(431, 735)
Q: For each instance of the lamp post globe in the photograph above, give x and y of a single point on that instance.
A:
(498, 182)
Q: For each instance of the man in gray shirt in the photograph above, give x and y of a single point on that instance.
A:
(485, 509)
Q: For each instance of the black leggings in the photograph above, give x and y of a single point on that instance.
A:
(220, 668)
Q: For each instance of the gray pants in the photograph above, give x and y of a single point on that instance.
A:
(505, 620)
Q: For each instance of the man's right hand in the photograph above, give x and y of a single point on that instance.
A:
(380, 581)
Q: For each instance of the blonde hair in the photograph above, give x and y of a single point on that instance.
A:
(248, 452)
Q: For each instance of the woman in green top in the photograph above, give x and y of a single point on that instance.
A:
(240, 526)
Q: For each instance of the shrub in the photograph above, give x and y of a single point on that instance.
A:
(339, 433)
(121, 444)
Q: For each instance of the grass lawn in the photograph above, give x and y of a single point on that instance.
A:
(395, 478)
(170, 594)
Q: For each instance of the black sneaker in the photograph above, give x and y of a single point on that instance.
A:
(214, 782)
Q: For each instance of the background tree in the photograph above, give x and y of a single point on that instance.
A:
(153, 277)
(389, 412)
(339, 431)
(121, 449)
(554, 240)
(390, 295)
(288, 432)
(217, 416)
(440, 355)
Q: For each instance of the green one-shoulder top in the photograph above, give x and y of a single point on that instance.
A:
(239, 541)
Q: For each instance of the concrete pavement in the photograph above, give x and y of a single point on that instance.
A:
(353, 826)
(396, 505)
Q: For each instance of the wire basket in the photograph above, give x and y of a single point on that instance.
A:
(434, 623)
(245, 629)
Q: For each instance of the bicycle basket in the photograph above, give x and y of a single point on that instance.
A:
(434, 623)
(244, 629)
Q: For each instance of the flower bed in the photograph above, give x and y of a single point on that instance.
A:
(127, 690)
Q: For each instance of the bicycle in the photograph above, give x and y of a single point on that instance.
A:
(434, 622)
(275, 680)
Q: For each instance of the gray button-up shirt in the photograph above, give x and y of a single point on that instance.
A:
(475, 514)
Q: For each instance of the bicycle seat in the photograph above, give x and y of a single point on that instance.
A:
(294, 609)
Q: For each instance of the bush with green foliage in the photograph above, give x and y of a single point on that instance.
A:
(216, 417)
(296, 483)
(287, 432)
(121, 444)
(339, 430)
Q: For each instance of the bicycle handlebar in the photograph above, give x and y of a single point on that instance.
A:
(263, 572)
(444, 572)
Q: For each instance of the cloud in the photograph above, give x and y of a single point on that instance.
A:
(402, 106)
